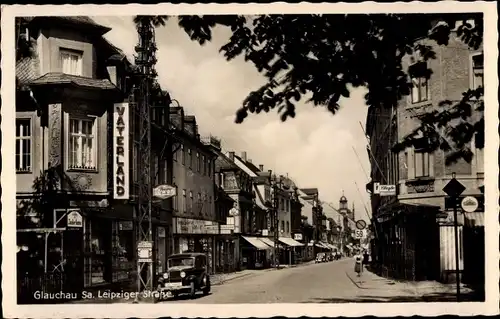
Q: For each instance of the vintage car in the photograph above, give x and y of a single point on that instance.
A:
(186, 273)
(320, 258)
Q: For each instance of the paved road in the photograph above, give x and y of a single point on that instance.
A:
(315, 283)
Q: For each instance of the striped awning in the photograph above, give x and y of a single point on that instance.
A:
(475, 219)
(254, 241)
(267, 241)
(290, 242)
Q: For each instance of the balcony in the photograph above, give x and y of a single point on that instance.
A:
(211, 141)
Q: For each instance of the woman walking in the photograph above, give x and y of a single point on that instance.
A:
(358, 266)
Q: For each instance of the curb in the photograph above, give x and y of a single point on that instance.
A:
(354, 282)
(221, 282)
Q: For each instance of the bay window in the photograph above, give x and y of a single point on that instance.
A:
(71, 62)
(82, 144)
(23, 145)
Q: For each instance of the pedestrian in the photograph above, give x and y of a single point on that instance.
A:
(358, 266)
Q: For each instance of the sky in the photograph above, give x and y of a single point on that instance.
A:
(315, 148)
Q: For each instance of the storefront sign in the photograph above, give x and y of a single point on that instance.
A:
(121, 151)
(297, 236)
(226, 229)
(161, 232)
(470, 204)
(74, 218)
(164, 191)
(195, 226)
(145, 251)
(125, 225)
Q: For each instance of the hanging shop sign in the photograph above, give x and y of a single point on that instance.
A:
(297, 236)
(164, 191)
(121, 151)
(126, 225)
(74, 218)
(470, 204)
(145, 251)
(195, 226)
(265, 232)
(384, 190)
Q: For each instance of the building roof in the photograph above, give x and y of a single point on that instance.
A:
(61, 78)
(78, 21)
(224, 163)
(309, 191)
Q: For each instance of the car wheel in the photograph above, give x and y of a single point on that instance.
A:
(192, 290)
(206, 289)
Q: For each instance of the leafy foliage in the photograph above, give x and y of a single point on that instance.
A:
(324, 55)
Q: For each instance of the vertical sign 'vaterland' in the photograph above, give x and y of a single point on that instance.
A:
(120, 151)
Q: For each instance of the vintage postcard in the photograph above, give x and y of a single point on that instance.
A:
(250, 160)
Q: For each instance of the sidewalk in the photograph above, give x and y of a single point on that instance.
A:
(369, 280)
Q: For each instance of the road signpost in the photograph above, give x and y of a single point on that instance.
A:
(360, 224)
(454, 189)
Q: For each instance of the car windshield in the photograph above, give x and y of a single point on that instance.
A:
(180, 261)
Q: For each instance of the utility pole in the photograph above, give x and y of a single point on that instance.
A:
(145, 60)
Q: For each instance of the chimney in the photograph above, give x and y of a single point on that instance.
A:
(244, 156)
(231, 156)
(261, 167)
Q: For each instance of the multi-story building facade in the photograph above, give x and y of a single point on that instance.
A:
(194, 222)
(64, 111)
(415, 227)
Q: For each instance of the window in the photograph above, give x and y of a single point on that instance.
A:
(209, 164)
(190, 158)
(221, 181)
(477, 71)
(420, 90)
(183, 155)
(190, 201)
(175, 203)
(82, 146)
(203, 159)
(287, 227)
(198, 162)
(282, 226)
(198, 202)
(23, 145)
(71, 62)
(421, 164)
(184, 200)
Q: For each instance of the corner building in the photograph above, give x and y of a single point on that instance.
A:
(415, 227)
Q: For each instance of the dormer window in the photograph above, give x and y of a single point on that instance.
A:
(71, 62)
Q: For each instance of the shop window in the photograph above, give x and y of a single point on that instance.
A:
(23, 145)
(420, 87)
(477, 71)
(123, 250)
(81, 144)
(71, 62)
(98, 238)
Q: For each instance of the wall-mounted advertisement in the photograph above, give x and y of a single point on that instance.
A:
(121, 151)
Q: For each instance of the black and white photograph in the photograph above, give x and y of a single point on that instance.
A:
(250, 160)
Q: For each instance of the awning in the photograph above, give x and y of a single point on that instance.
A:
(475, 219)
(266, 241)
(254, 241)
(326, 245)
(290, 242)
